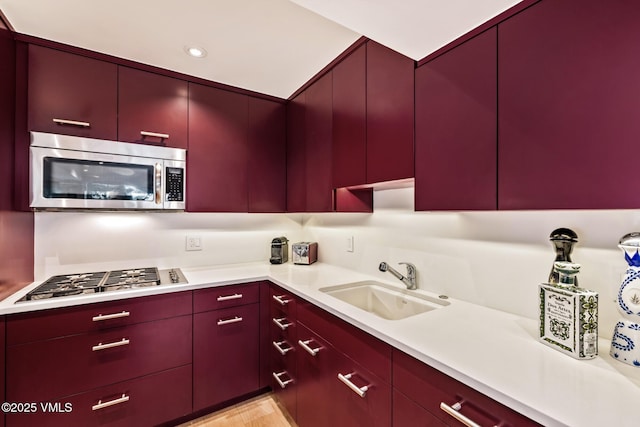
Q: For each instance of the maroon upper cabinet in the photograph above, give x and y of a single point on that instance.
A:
(267, 170)
(217, 154)
(296, 155)
(150, 105)
(71, 94)
(568, 98)
(350, 120)
(456, 135)
(7, 113)
(390, 99)
(318, 144)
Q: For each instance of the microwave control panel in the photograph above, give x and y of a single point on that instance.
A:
(175, 185)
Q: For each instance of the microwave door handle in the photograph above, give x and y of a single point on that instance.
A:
(158, 185)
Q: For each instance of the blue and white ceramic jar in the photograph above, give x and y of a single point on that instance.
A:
(625, 344)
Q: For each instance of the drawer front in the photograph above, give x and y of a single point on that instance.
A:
(283, 301)
(63, 366)
(226, 357)
(367, 350)
(372, 409)
(407, 413)
(225, 296)
(143, 401)
(429, 387)
(36, 326)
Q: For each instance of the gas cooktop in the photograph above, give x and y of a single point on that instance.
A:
(104, 281)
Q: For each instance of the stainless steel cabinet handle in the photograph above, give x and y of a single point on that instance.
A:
(360, 391)
(229, 297)
(453, 411)
(154, 134)
(72, 123)
(282, 351)
(305, 345)
(101, 346)
(228, 321)
(281, 325)
(281, 300)
(277, 376)
(101, 317)
(101, 404)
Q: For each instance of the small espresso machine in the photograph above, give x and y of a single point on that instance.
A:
(279, 250)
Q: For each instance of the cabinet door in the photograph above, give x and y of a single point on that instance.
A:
(2, 367)
(150, 400)
(7, 120)
(350, 120)
(389, 114)
(456, 135)
(79, 91)
(318, 145)
(87, 361)
(267, 169)
(568, 101)
(429, 388)
(151, 103)
(315, 376)
(226, 356)
(217, 155)
(296, 155)
(407, 413)
(360, 398)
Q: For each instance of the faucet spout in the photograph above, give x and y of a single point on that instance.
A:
(409, 280)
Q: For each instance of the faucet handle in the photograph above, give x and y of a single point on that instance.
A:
(411, 268)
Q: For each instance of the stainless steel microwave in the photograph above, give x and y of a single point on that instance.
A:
(84, 173)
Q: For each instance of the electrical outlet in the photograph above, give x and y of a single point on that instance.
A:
(350, 244)
(194, 243)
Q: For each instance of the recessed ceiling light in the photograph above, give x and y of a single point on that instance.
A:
(195, 51)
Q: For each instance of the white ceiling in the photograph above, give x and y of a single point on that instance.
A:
(268, 46)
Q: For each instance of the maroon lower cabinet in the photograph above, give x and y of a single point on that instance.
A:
(431, 390)
(265, 335)
(145, 401)
(359, 397)
(568, 95)
(86, 361)
(226, 296)
(282, 348)
(314, 358)
(456, 133)
(217, 154)
(407, 413)
(152, 108)
(226, 356)
(266, 164)
(72, 94)
(390, 110)
(2, 367)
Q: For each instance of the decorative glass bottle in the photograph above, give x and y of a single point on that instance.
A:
(569, 314)
(625, 344)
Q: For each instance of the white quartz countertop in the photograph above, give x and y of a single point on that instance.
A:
(496, 353)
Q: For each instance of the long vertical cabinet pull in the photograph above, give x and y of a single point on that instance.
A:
(454, 409)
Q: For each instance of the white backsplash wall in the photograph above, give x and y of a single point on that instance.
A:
(72, 242)
(496, 259)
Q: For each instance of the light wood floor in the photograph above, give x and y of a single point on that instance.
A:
(261, 411)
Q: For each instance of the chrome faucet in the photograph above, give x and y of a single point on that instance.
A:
(409, 281)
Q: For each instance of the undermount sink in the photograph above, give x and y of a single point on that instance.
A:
(384, 300)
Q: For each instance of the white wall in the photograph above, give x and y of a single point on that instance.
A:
(68, 242)
(496, 259)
